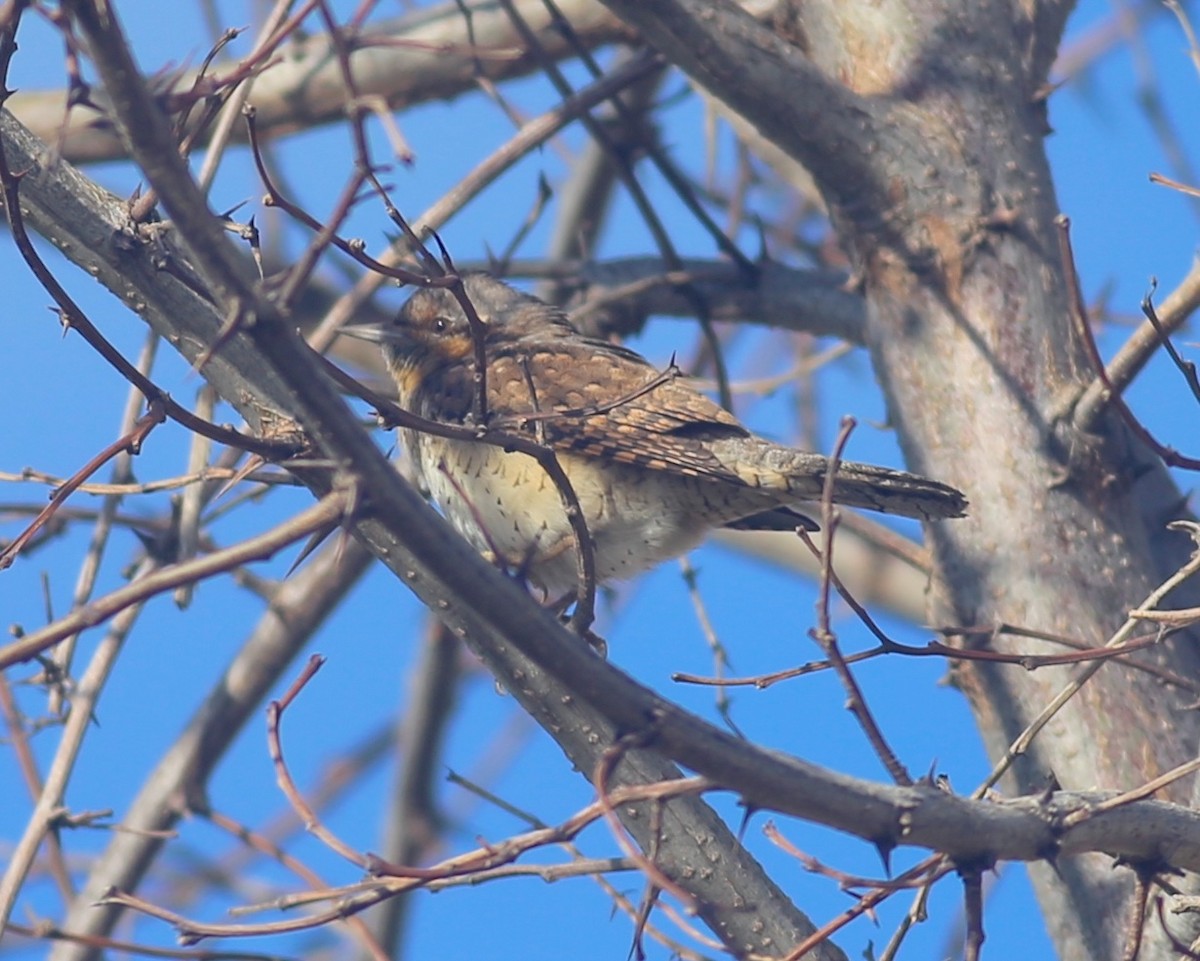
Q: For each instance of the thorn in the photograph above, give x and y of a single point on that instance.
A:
(253, 463)
(749, 810)
(313, 542)
(1049, 854)
(884, 848)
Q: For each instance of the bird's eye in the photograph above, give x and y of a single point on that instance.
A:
(440, 325)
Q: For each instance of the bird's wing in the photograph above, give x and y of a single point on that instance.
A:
(599, 406)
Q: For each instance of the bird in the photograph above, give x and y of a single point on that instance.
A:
(654, 463)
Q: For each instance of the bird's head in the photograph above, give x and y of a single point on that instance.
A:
(432, 326)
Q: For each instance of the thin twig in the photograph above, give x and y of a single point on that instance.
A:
(329, 508)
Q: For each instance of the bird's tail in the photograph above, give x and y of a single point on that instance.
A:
(774, 468)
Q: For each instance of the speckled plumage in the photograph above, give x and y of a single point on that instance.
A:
(653, 473)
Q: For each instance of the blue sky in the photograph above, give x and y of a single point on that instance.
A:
(1126, 230)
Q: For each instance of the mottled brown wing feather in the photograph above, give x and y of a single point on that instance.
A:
(662, 429)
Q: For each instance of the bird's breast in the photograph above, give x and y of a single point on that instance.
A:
(506, 504)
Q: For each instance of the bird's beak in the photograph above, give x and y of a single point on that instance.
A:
(390, 335)
(375, 333)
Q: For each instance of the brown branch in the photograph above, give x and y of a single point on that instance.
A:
(823, 634)
(283, 776)
(131, 443)
(1083, 330)
(317, 517)
(263, 845)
